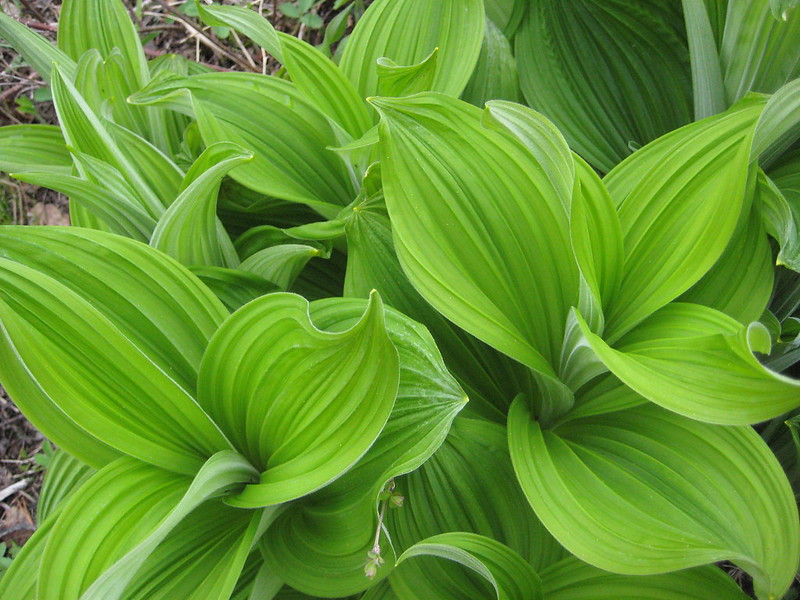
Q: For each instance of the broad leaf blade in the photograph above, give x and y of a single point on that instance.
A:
(34, 148)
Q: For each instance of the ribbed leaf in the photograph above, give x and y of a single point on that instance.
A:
(758, 51)
(498, 226)
(646, 491)
(270, 117)
(506, 14)
(740, 283)
(301, 403)
(404, 80)
(780, 198)
(779, 124)
(709, 90)
(407, 31)
(64, 475)
(37, 51)
(153, 301)
(572, 579)
(234, 287)
(505, 570)
(21, 579)
(495, 76)
(189, 230)
(469, 485)
(698, 362)
(34, 148)
(280, 264)
(610, 75)
(99, 377)
(320, 545)
(121, 215)
(314, 74)
(689, 186)
(224, 473)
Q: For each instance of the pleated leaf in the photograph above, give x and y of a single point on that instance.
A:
(495, 76)
(64, 475)
(646, 491)
(407, 31)
(679, 201)
(274, 120)
(610, 75)
(21, 579)
(508, 574)
(34, 148)
(153, 301)
(497, 228)
(314, 74)
(301, 403)
(779, 124)
(97, 376)
(758, 51)
(779, 195)
(469, 485)
(320, 545)
(506, 14)
(572, 579)
(234, 287)
(281, 264)
(189, 230)
(699, 362)
(404, 80)
(709, 90)
(37, 51)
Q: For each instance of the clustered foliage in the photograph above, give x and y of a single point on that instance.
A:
(375, 329)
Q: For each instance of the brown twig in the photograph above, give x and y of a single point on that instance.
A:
(33, 10)
(39, 25)
(10, 92)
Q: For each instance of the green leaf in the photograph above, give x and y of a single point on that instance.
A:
(282, 263)
(469, 485)
(407, 31)
(189, 230)
(37, 51)
(740, 283)
(153, 301)
(34, 148)
(234, 287)
(495, 76)
(646, 491)
(290, 9)
(320, 544)
(751, 34)
(405, 80)
(571, 579)
(781, 199)
(498, 221)
(101, 379)
(505, 570)
(21, 579)
(709, 90)
(699, 362)
(117, 212)
(610, 75)
(779, 124)
(315, 75)
(64, 476)
(270, 117)
(695, 194)
(301, 403)
(224, 473)
(506, 14)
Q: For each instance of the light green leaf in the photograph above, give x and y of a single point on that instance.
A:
(270, 117)
(498, 226)
(224, 473)
(153, 301)
(64, 476)
(740, 283)
(301, 403)
(699, 362)
(572, 579)
(189, 230)
(407, 31)
(709, 89)
(758, 51)
(506, 14)
(405, 80)
(781, 199)
(646, 491)
(495, 76)
(21, 579)
(314, 74)
(37, 51)
(779, 124)
(690, 186)
(610, 75)
(281, 264)
(121, 215)
(320, 545)
(234, 287)
(34, 148)
(469, 485)
(506, 571)
(99, 377)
